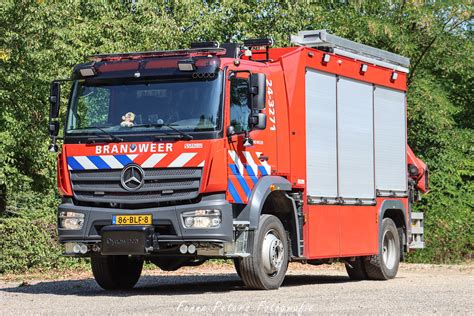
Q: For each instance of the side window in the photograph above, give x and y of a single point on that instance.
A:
(239, 104)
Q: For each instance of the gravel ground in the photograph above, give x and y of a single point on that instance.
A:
(211, 289)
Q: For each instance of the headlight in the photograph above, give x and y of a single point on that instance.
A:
(71, 220)
(202, 219)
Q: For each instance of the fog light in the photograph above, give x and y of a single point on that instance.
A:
(191, 249)
(183, 249)
(83, 248)
(76, 248)
(202, 219)
(71, 220)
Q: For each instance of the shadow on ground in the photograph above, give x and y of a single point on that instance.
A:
(165, 285)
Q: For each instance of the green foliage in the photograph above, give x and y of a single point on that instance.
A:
(29, 244)
(42, 40)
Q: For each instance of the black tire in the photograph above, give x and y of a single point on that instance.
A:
(384, 266)
(356, 269)
(116, 272)
(266, 272)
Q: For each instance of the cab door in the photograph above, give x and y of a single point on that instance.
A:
(251, 150)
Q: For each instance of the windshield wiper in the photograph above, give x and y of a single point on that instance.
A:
(182, 134)
(111, 137)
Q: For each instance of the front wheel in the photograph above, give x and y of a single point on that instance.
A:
(116, 272)
(265, 269)
(384, 265)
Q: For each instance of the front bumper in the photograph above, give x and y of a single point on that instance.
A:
(167, 222)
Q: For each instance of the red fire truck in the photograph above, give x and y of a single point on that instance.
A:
(247, 152)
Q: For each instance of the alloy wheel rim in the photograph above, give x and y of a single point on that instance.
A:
(273, 253)
(389, 250)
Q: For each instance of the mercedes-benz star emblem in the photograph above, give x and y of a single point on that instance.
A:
(132, 177)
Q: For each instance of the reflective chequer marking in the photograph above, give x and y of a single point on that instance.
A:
(153, 160)
(245, 170)
(120, 161)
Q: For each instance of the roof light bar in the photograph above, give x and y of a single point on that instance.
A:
(152, 54)
(212, 44)
(259, 42)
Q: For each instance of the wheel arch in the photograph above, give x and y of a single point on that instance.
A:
(270, 196)
(395, 210)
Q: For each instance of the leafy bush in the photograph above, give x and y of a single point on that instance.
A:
(29, 244)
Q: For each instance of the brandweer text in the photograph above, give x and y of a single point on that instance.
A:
(132, 148)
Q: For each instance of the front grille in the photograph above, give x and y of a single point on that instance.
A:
(161, 185)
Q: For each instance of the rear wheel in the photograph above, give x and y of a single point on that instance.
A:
(356, 270)
(384, 265)
(265, 269)
(116, 272)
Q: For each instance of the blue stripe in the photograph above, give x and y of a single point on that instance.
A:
(263, 171)
(244, 185)
(254, 179)
(234, 169)
(98, 162)
(250, 171)
(251, 174)
(74, 164)
(233, 192)
(123, 159)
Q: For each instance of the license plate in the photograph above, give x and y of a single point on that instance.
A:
(132, 220)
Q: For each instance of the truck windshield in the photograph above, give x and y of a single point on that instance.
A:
(129, 108)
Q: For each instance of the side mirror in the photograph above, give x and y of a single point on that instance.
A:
(261, 121)
(258, 84)
(53, 126)
(258, 121)
(54, 100)
(230, 131)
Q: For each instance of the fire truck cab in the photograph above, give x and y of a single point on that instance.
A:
(246, 152)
